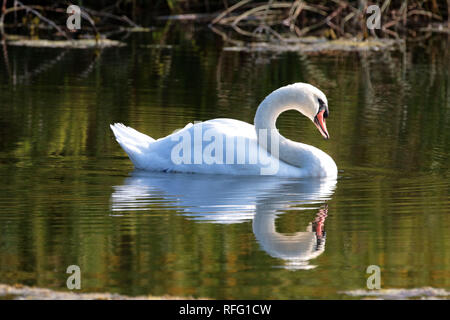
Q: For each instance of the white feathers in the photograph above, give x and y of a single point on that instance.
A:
(134, 143)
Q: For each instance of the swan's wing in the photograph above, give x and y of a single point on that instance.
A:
(129, 135)
(219, 146)
(205, 147)
(134, 143)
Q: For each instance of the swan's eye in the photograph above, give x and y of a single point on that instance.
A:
(323, 106)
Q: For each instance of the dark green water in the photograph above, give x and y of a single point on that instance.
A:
(68, 195)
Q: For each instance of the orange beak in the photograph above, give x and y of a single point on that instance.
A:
(319, 121)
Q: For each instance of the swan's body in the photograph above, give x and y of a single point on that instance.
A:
(233, 147)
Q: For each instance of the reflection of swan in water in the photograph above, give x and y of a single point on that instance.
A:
(233, 199)
(296, 249)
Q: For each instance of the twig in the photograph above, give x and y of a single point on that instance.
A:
(296, 9)
(390, 32)
(88, 18)
(2, 19)
(40, 16)
(259, 8)
(229, 10)
(424, 13)
(123, 18)
(225, 37)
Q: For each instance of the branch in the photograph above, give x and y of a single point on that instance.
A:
(40, 16)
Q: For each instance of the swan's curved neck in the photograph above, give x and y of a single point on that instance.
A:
(279, 101)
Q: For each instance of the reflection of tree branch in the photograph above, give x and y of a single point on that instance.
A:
(41, 68)
(91, 65)
(5, 57)
(315, 74)
(366, 72)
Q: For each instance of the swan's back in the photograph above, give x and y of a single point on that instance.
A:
(236, 137)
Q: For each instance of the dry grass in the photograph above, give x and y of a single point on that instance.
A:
(334, 18)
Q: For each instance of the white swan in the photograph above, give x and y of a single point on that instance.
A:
(228, 146)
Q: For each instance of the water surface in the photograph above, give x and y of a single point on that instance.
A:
(69, 195)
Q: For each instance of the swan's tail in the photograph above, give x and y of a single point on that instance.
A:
(134, 143)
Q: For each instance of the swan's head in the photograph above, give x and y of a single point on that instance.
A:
(312, 103)
(302, 97)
